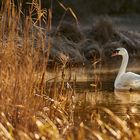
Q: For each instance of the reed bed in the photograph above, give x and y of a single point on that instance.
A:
(32, 108)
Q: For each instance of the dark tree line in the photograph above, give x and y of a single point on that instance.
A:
(84, 8)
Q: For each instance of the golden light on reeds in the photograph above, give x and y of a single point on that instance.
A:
(33, 108)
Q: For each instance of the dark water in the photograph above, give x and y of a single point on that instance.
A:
(94, 91)
(96, 88)
(89, 101)
(120, 103)
(124, 105)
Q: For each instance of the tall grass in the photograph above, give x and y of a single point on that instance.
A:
(30, 108)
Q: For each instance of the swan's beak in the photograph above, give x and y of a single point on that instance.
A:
(114, 54)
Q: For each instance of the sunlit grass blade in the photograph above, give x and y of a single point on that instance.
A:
(69, 9)
(5, 132)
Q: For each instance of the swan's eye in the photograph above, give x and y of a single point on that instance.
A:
(115, 52)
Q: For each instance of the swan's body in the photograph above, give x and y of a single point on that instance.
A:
(125, 80)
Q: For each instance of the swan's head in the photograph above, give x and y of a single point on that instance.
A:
(119, 51)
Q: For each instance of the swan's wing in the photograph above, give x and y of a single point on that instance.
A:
(131, 79)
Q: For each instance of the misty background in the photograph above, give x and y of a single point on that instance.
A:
(103, 25)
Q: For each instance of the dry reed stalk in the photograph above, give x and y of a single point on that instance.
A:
(66, 9)
(26, 110)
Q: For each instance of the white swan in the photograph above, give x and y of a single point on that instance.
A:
(125, 80)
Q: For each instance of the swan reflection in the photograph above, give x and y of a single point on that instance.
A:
(128, 97)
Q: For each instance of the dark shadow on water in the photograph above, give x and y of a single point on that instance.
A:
(121, 104)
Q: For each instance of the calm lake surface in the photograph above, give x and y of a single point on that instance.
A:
(97, 88)
(93, 96)
(88, 99)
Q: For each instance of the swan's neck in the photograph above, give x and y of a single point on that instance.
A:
(123, 67)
